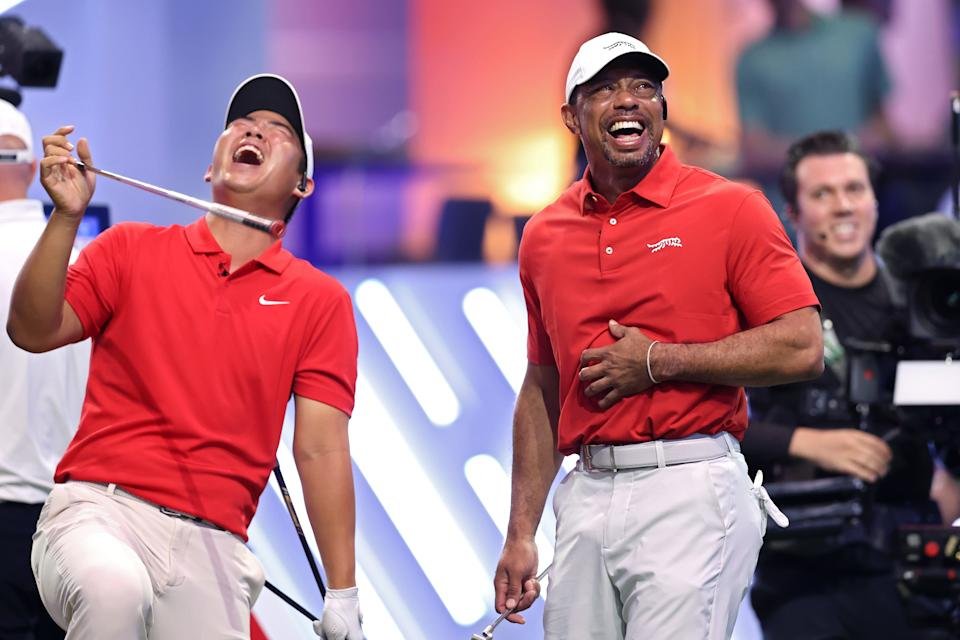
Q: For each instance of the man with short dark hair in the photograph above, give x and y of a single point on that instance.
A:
(201, 335)
(654, 292)
(840, 584)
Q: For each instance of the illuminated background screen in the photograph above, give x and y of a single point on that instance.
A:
(442, 355)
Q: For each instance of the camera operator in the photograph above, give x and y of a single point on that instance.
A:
(840, 586)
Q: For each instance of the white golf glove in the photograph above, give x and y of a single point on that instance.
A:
(341, 616)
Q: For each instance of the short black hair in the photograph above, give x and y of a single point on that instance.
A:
(821, 143)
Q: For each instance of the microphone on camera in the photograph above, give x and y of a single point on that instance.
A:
(916, 244)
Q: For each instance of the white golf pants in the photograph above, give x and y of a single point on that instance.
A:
(661, 553)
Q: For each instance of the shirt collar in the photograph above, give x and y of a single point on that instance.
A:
(201, 240)
(275, 258)
(656, 187)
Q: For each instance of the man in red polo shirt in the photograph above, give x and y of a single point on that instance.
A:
(200, 336)
(654, 292)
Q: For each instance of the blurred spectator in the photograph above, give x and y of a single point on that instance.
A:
(811, 72)
(40, 397)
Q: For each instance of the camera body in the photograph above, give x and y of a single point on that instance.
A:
(828, 513)
(28, 55)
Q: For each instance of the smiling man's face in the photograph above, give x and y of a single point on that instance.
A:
(618, 115)
(836, 210)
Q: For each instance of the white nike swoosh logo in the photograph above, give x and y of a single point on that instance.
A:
(268, 303)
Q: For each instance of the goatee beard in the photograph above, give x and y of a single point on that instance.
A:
(646, 159)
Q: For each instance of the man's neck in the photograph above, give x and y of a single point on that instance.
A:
(613, 181)
(794, 18)
(851, 274)
(241, 242)
(7, 194)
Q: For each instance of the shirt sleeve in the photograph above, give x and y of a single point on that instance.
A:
(765, 275)
(539, 347)
(327, 367)
(772, 423)
(765, 443)
(95, 280)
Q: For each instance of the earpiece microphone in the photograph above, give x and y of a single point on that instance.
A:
(302, 185)
(663, 100)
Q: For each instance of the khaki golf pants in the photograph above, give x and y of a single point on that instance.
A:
(111, 566)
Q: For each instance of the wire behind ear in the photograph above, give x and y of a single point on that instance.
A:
(663, 101)
(302, 185)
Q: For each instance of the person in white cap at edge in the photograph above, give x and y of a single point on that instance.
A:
(200, 336)
(654, 292)
(40, 396)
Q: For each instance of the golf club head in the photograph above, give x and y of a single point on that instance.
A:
(482, 636)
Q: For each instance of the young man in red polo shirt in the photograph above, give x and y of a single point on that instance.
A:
(654, 292)
(200, 336)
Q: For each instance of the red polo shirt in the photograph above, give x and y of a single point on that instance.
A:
(685, 256)
(191, 370)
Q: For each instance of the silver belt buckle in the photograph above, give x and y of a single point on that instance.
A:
(587, 458)
(613, 457)
(173, 513)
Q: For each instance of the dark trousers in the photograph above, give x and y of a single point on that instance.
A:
(807, 599)
(22, 616)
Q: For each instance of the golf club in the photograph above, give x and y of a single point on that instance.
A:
(487, 633)
(290, 601)
(296, 525)
(275, 228)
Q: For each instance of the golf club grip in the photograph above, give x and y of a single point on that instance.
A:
(296, 524)
(273, 227)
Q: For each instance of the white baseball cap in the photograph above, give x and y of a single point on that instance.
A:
(596, 53)
(14, 123)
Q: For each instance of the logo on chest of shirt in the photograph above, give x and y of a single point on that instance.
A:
(269, 303)
(666, 242)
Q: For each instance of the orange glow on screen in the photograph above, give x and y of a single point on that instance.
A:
(487, 84)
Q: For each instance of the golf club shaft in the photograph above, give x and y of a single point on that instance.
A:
(290, 601)
(275, 228)
(296, 525)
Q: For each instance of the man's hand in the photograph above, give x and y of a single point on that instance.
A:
(69, 188)
(618, 370)
(341, 616)
(850, 451)
(517, 567)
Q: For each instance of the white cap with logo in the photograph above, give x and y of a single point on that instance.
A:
(596, 53)
(14, 123)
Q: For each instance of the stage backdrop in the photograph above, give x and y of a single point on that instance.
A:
(442, 355)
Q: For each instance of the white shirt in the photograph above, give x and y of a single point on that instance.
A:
(40, 394)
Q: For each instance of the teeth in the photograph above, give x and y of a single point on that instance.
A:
(626, 124)
(844, 227)
(248, 147)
